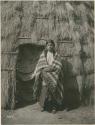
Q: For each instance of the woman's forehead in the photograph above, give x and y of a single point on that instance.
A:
(50, 44)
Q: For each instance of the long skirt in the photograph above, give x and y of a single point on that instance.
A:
(46, 100)
(46, 91)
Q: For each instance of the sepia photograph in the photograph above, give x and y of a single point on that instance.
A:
(47, 62)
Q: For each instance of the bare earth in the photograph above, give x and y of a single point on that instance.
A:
(32, 115)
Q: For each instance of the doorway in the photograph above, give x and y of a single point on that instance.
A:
(26, 62)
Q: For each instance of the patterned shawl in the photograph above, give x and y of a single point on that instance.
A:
(53, 78)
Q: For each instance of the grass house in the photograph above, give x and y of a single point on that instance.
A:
(26, 25)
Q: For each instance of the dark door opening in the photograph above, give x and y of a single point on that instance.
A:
(26, 62)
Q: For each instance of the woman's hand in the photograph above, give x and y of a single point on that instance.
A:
(32, 76)
(48, 69)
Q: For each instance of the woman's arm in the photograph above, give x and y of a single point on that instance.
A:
(33, 76)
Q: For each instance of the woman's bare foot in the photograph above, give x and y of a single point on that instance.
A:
(42, 109)
(54, 111)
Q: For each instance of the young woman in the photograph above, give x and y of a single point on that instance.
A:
(48, 86)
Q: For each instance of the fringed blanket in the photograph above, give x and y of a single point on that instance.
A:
(52, 75)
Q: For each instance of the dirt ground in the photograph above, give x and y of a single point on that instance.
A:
(32, 115)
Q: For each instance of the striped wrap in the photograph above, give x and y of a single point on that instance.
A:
(53, 78)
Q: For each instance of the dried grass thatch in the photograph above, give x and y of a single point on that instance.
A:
(63, 21)
(10, 19)
(89, 66)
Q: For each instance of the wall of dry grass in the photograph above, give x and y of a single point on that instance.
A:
(67, 22)
(10, 30)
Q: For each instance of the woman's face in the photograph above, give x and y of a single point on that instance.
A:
(50, 47)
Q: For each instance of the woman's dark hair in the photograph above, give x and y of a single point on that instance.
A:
(50, 41)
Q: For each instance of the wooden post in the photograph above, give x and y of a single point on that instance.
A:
(84, 75)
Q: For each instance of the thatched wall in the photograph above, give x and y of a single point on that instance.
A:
(10, 30)
(69, 24)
